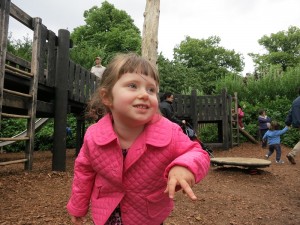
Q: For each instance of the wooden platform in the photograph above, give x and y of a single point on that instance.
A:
(240, 161)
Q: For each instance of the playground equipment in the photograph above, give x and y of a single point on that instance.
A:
(235, 128)
(37, 125)
(248, 136)
(251, 164)
(50, 86)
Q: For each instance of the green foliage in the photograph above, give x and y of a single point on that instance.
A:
(43, 139)
(10, 128)
(21, 48)
(177, 78)
(272, 85)
(210, 60)
(208, 133)
(107, 31)
(282, 48)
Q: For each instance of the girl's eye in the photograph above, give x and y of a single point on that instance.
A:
(151, 90)
(132, 85)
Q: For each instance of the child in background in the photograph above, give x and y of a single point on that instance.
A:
(273, 138)
(240, 117)
(263, 125)
(133, 159)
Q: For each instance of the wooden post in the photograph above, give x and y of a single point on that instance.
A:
(4, 18)
(61, 101)
(37, 71)
(225, 120)
(80, 130)
(231, 138)
(194, 109)
(150, 30)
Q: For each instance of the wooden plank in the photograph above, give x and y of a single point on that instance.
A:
(14, 139)
(248, 136)
(18, 62)
(21, 16)
(71, 78)
(240, 161)
(13, 162)
(17, 93)
(4, 18)
(8, 115)
(76, 82)
(51, 58)
(81, 85)
(42, 60)
(87, 86)
(16, 71)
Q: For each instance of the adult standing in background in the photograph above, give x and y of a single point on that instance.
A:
(293, 119)
(98, 69)
(167, 109)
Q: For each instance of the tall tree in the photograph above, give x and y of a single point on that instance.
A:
(283, 48)
(107, 31)
(209, 59)
(177, 78)
(150, 30)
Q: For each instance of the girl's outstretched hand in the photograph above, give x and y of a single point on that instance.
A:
(180, 178)
(77, 220)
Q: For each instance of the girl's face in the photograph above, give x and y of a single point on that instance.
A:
(134, 99)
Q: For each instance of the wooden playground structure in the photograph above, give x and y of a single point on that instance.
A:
(52, 86)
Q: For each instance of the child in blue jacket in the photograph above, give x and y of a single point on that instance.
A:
(273, 138)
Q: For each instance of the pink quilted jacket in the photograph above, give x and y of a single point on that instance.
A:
(103, 180)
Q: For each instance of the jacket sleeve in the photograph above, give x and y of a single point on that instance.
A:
(176, 120)
(284, 130)
(83, 182)
(240, 113)
(189, 154)
(288, 120)
(166, 110)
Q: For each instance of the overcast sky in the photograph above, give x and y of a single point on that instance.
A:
(239, 23)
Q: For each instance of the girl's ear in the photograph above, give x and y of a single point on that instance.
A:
(106, 100)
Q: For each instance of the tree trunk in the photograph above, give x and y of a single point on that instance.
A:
(150, 30)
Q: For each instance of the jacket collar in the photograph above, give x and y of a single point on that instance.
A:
(157, 133)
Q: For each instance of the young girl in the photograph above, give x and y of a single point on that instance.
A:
(240, 117)
(273, 138)
(133, 160)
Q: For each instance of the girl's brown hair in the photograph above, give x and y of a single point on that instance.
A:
(120, 64)
(274, 125)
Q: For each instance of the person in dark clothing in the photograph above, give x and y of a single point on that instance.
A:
(293, 119)
(263, 124)
(167, 109)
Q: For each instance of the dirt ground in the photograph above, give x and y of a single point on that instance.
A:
(227, 196)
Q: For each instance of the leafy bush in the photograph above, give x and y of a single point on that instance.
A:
(43, 137)
(273, 92)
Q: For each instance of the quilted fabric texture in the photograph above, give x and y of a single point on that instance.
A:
(103, 180)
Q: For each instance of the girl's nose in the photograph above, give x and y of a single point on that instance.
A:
(143, 94)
